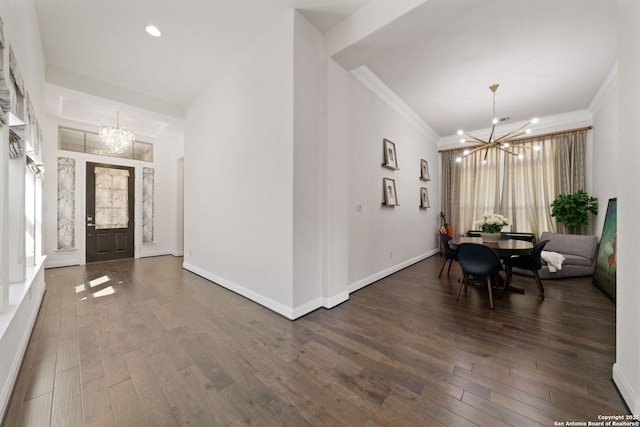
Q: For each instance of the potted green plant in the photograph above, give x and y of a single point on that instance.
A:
(572, 210)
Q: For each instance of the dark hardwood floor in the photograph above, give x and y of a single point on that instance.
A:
(145, 343)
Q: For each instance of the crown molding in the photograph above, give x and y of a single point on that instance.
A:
(607, 88)
(377, 86)
(546, 124)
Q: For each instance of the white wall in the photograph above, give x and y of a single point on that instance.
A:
(308, 176)
(298, 242)
(336, 186)
(239, 174)
(626, 371)
(385, 239)
(178, 225)
(605, 154)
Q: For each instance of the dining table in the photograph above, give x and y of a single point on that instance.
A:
(505, 248)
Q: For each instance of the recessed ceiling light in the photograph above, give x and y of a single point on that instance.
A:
(153, 30)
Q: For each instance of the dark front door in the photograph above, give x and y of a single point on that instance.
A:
(109, 212)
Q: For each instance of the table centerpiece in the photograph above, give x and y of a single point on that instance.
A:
(491, 225)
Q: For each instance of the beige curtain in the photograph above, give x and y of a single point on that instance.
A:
(570, 149)
(471, 188)
(112, 203)
(449, 191)
(520, 189)
(530, 186)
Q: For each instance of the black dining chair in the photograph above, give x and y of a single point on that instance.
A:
(448, 252)
(479, 261)
(532, 262)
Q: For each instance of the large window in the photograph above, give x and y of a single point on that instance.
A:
(520, 189)
(86, 142)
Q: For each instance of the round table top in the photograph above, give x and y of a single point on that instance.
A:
(504, 247)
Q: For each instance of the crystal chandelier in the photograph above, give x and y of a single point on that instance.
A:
(116, 138)
(501, 143)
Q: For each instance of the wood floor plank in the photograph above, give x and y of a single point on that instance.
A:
(127, 410)
(68, 321)
(412, 417)
(68, 355)
(301, 403)
(67, 399)
(210, 400)
(90, 358)
(156, 409)
(169, 348)
(187, 408)
(20, 388)
(42, 375)
(36, 412)
(165, 373)
(96, 405)
(445, 408)
(232, 362)
(164, 340)
(524, 409)
(283, 414)
(139, 333)
(112, 356)
(208, 366)
(498, 412)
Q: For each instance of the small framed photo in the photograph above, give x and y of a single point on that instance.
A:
(390, 195)
(390, 157)
(424, 170)
(424, 198)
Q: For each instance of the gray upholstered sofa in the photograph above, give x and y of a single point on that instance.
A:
(580, 252)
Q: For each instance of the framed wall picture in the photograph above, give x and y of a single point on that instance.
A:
(604, 276)
(390, 156)
(424, 198)
(424, 170)
(389, 189)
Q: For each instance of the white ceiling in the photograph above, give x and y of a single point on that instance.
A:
(549, 56)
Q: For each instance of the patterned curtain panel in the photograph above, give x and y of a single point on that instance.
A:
(112, 204)
(66, 202)
(147, 204)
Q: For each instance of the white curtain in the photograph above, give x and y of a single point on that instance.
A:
(530, 185)
(471, 188)
(112, 198)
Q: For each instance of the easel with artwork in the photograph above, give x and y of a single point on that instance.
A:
(605, 275)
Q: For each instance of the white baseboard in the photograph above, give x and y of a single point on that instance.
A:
(281, 309)
(61, 263)
(630, 397)
(296, 312)
(387, 272)
(153, 253)
(306, 308)
(177, 253)
(334, 300)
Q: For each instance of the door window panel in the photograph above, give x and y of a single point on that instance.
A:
(112, 207)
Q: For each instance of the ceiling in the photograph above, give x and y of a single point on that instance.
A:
(548, 56)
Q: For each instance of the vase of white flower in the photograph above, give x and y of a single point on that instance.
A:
(491, 225)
